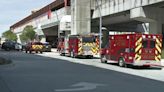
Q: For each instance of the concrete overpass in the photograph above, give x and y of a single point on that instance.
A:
(118, 15)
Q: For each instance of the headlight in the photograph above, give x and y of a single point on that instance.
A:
(144, 36)
(154, 37)
(107, 51)
(131, 58)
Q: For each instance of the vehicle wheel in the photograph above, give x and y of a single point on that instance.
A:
(90, 56)
(121, 62)
(62, 54)
(148, 66)
(30, 51)
(26, 51)
(7, 49)
(36, 51)
(103, 59)
(41, 52)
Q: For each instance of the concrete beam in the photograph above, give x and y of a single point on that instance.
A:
(81, 17)
(52, 31)
(152, 15)
(155, 28)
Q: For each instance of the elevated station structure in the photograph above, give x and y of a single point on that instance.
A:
(144, 16)
(45, 21)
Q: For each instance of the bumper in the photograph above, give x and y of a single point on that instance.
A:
(147, 62)
(86, 53)
(36, 49)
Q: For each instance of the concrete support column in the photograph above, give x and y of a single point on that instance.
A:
(155, 28)
(81, 17)
(18, 38)
(43, 39)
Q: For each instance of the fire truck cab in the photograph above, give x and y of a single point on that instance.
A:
(77, 45)
(133, 49)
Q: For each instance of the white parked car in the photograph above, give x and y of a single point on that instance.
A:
(18, 46)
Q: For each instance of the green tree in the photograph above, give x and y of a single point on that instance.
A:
(28, 34)
(9, 35)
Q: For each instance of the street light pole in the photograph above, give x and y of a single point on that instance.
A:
(58, 23)
(100, 24)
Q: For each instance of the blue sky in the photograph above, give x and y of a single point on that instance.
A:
(15, 10)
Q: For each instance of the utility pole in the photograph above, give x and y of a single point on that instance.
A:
(100, 24)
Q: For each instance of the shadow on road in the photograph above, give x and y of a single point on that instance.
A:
(4, 61)
(139, 67)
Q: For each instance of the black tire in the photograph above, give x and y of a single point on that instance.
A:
(103, 59)
(30, 51)
(41, 52)
(26, 51)
(36, 51)
(61, 54)
(89, 56)
(7, 49)
(121, 62)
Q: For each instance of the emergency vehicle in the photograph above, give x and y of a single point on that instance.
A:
(134, 49)
(34, 46)
(77, 45)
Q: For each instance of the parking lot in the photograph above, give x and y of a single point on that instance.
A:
(154, 73)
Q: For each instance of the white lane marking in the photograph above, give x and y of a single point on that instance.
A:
(82, 86)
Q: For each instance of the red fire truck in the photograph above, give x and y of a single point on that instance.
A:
(77, 45)
(133, 49)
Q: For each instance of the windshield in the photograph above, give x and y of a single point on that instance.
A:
(145, 43)
(148, 44)
(152, 44)
(88, 39)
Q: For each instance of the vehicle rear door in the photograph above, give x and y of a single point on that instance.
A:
(148, 49)
(151, 48)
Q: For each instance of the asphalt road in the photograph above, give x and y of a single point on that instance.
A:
(32, 73)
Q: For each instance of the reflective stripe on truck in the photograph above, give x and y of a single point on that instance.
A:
(37, 46)
(158, 50)
(138, 49)
(80, 47)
